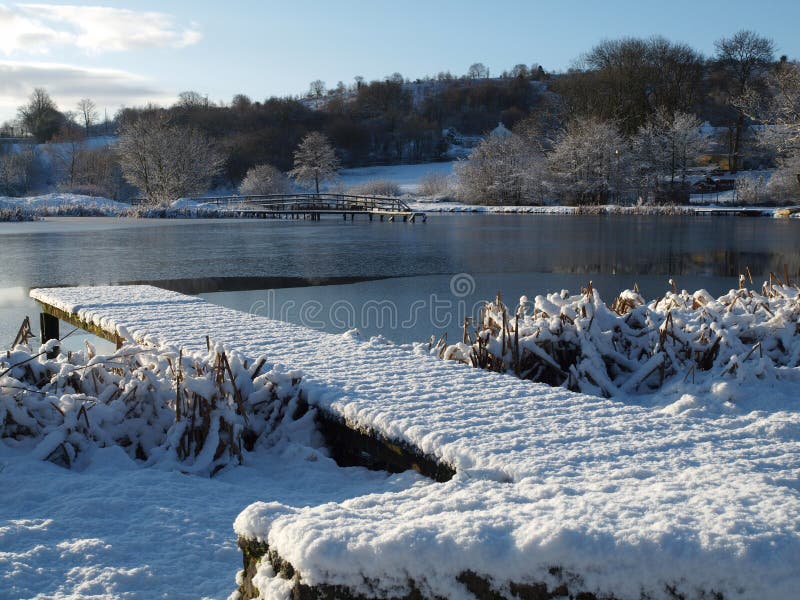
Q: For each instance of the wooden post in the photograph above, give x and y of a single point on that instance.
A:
(48, 325)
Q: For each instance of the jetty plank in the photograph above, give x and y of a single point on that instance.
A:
(624, 500)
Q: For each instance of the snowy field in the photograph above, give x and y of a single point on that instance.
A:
(695, 493)
(117, 530)
(408, 177)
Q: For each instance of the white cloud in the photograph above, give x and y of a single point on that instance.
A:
(67, 84)
(39, 28)
(18, 32)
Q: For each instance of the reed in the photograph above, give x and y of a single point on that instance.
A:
(201, 411)
(634, 346)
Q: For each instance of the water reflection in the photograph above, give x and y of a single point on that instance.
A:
(213, 255)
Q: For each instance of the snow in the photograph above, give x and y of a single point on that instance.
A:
(627, 496)
(408, 177)
(116, 526)
(119, 530)
(62, 203)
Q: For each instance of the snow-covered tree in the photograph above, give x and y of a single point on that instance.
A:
(315, 161)
(667, 145)
(262, 180)
(502, 169)
(780, 112)
(167, 161)
(784, 185)
(591, 163)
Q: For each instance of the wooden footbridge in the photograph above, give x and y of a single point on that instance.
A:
(314, 206)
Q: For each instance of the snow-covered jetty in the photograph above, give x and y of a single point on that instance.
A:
(543, 493)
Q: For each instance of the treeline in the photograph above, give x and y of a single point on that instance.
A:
(628, 124)
(622, 124)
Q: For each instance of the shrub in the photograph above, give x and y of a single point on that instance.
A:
(262, 180)
(435, 185)
(377, 187)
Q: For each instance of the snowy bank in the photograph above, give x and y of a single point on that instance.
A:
(432, 206)
(678, 343)
(66, 205)
(572, 492)
(130, 509)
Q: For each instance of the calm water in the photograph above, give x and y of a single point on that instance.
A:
(518, 254)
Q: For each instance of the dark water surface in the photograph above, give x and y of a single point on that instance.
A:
(252, 264)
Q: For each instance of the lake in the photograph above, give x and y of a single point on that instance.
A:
(403, 281)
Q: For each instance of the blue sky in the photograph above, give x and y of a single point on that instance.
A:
(127, 53)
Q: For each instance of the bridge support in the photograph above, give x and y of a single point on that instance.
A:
(48, 325)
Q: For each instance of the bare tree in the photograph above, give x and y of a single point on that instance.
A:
(315, 161)
(40, 116)
(744, 58)
(16, 170)
(262, 180)
(626, 80)
(477, 71)
(66, 149)
(241, 103)
(191, 99)
(317, 88)
(520, 70)
(167, 161)
(87, 113)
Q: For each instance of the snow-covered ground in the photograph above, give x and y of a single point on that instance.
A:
(628, 497)
(158, 526)
(408, 177)
(118, 530)
(63, 203)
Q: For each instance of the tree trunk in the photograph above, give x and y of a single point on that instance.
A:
(737, 143)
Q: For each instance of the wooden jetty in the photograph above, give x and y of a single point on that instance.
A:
(315, 206)
(522, 457)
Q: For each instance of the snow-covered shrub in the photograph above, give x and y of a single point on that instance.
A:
(751, 190)
(633, 346)
(503, 169)
(784, 185)
(15, 215)
(262, 180)
(436, 185)
(376, 187)
(591, 164)
(199, 412)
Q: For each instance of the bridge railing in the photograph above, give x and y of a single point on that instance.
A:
(322, 201)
